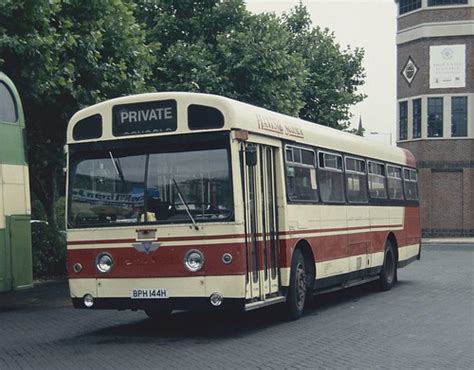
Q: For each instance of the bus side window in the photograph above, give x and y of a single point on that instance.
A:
(331, 178)
(411, 184)
(356, 180)
(377, 185)
(301, 174)
(394, 182)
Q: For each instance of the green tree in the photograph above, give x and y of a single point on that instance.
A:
(219, 47)
(64, 55)
(335, 74)
(280, 63)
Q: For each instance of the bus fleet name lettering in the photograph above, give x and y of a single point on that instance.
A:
(275, 125)
(144, 115)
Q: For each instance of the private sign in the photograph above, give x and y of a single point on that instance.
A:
(144, 118)
(131, 116)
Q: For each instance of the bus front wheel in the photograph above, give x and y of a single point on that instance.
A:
(298, 289)
(388, 275)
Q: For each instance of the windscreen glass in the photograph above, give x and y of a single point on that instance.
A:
(167, 187)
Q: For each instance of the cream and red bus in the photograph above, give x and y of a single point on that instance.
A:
(196, 201)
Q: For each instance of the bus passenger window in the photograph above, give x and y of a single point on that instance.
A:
(411, 184)
(356, 180)
(7, 105)
(331, 178)
(377, 186)
(301, 175)
(203, 117)
(394, 182)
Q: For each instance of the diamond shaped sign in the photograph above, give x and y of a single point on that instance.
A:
(409, 71)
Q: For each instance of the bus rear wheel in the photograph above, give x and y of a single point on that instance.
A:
(158, 315)
(388, 275)
(298, 289)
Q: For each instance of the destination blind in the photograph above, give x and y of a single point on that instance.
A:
(144, 118)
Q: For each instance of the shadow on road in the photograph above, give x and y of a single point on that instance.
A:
(212, 325)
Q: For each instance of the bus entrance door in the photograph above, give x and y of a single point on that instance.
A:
(261, 231)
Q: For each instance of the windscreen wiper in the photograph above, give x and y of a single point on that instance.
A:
(117, 167)
(185, 205)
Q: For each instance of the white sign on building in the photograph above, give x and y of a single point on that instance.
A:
(447, 66)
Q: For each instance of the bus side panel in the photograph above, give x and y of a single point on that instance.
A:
(409, 246)
(12, 151)
(5, 273)
(20, 242)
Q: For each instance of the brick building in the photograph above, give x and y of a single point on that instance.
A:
(435, 93)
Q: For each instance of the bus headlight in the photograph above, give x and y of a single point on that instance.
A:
(104, 262)
(194, 260)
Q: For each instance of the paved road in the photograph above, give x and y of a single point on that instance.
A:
(426, 321)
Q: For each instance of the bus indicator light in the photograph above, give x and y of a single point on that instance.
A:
(77, 267)
(227, 258)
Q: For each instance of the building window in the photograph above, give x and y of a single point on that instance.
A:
(435, 117)
(409, 5)
(403, 112)
(301, 175)
(459, 116)
(446, 2)
(416, 118)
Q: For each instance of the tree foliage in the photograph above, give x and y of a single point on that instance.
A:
(280, 63)
(334, 74)
(64, 55)
(219, 47)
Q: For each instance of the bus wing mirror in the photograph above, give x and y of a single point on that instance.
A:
(251, 155)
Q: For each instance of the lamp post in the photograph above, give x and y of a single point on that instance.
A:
(383, 133)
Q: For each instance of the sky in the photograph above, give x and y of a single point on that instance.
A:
(369, 24)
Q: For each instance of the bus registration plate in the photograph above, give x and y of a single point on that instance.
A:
(149, 294)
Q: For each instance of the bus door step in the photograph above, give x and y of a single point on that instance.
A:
(267, 302)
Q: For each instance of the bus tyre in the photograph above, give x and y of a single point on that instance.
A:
(388, 275)
(158, 315)
(298, 289)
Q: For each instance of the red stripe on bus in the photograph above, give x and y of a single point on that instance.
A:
(169, 261)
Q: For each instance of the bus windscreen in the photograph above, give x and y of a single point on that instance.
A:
(139, 188)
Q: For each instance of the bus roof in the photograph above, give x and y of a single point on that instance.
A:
(242, 116)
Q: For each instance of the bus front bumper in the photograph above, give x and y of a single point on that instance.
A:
(181, 293)
(180, 303)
